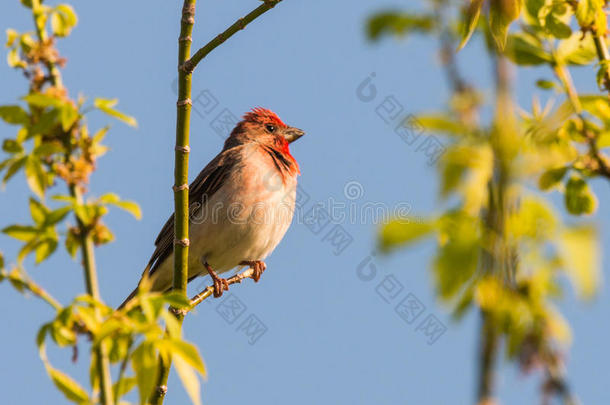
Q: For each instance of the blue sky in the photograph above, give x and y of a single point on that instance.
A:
(330, 337)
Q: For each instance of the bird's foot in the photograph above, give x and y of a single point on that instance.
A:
(220, 284)
(258, 266)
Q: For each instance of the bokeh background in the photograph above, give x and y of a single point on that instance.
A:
(330, 336)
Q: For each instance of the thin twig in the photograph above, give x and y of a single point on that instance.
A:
(239, 25)
(197, 299)
(24, 281)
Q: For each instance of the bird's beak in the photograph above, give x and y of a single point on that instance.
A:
(291, 134)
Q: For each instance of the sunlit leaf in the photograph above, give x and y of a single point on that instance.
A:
(144, 363)
(580, 252)
(525, 50)
(397, 23)
(63, 19)
(578, 197)
(551, 178)
(401, 231)
(470, 18)
(107, 107)
(501, 14)
(576, 50)
(13, 114)
(21, 232)
(189, 380)
(69, 387)
(188, 352)
(35, 176)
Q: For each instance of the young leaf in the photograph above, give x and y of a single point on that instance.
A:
(144, 363)
(21, 232)
(35, 175)
(188, 352)
(106, 106)
(580, 254)
(63, 19)
(470, 18)
(44, 249)
(524, 49)
(189, 380)
(551, 178)
(578, 197)
(399, 232)
(38, 211)
(13, 114)
(70, 388)
(501, 14)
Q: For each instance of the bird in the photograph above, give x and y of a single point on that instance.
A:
(240, 205)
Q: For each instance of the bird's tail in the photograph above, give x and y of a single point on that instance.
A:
(145, 273)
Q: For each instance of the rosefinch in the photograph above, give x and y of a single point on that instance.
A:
(242, 204)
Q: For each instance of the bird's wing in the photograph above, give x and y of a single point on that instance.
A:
(201, 190)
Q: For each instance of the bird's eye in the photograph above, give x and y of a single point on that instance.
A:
(270, 128)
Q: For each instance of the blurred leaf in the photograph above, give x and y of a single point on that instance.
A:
(14, 167)
(590, 13)
(44, 249)
(397, 23)
(123, 386)
(144, 363)
(70, 388)
(580, 253)
(13, 114)
(545, 84)
(35, 175)
(556, 27)
(188, 352)
(551, 178)
(11, 36)
(443, 124)
(470, 19)
(21, 232)
(501, 14)
(38, 211)
(129, 206)
(189, 380)
(523, 49)
(68, 116)
(63, 19)
(578, 197)
(42, 100)
(57, 215)
(11, 146)
(576, 50)
(399, 232)
(106, 106)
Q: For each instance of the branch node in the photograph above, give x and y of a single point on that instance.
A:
(183, 149)
(186, 68)
(180, 187)
(162, 390)
(182, 103)
(182, 242)
(187, 38)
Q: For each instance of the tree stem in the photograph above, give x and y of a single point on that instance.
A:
(181, 192)
(90, 270)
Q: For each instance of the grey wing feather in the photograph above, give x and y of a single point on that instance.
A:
(201, 190)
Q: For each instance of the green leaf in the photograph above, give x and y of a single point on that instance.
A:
(397, 23)
(11, 146)
(576, 50)
(13, 59)
(13, 114)
(35, 176)
(57, 215)
(442, 124)
(123, 386)
(188, 352)
(129, 206)
(44, 249)
(144, 363)
(63, 19)
(21, 232)
(470, 18)
(14, 167)
(501, 14)
(551, 178)
(579, 199)
(72, 244)
(590, 13)
(68, 116)
(189, 380)
(11, 36)
(580, 253)
(70, 388)
(556, 27)
(545, 84)
(42, 100)
(177, 300)
(105, 106)
(38, 211)
(398, 232)
(524, 49)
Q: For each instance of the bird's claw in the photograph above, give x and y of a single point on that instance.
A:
(258, 267)
(220, 285)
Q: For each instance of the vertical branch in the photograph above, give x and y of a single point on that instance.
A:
(181, 190)
(90, 270)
